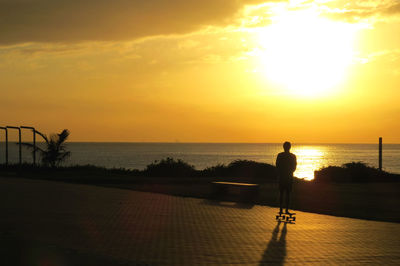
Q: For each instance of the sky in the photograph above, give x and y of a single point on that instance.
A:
(202, 71)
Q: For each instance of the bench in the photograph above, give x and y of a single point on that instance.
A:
(242, 192)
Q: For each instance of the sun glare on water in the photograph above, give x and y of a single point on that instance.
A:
(305, 54)
(309, 159)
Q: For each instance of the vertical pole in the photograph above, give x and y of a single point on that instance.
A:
(5, 130)
(34, 142)
(34, 146)
(19, 142)
(20, 146)
(6, 147)
(380, 153)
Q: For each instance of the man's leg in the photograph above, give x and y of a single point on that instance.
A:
(287, 200)
(280, 199)
(288, 194)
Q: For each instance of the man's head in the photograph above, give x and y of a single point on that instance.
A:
(286, 146)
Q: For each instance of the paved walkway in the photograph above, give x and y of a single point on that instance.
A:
(66, 224)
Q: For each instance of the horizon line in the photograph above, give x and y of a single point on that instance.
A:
(194, 142)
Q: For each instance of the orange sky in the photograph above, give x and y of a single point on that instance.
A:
(203, 71)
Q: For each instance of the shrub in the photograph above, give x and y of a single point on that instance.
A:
(331, 174)
(357, 172)
(361, 172)
(243, 170)
(169, 167)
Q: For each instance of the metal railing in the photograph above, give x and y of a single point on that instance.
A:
(6, 131)
(34, 142)
(34, 131)
(19, 142)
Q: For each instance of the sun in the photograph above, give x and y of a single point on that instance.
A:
(305, 54)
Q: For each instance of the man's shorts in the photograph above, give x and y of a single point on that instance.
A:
(285, 183)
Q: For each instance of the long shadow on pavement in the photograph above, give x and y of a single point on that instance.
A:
(275, 252)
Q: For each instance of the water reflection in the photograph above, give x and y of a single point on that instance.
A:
(309, 159)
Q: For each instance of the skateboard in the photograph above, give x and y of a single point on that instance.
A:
(286, 217)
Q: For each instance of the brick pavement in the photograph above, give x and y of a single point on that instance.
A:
(67, 224)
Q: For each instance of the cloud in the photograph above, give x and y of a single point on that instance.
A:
(71, 21)
(356, 11)
(394, 9)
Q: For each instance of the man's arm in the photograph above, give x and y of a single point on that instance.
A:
(278, 161)
(294, 162)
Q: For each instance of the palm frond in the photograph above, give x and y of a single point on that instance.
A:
(30, 146)
(62, 137)
(64, 155)
(55, 151)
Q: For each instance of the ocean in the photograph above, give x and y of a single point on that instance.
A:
(310, 157)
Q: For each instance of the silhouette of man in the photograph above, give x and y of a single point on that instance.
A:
(286, 163)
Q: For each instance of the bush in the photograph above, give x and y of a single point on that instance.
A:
(169, 167)
(237, 171)
(356, 172)
(243, 170)
(332, 174)
(361, 172)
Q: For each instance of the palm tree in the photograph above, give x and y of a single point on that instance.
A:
(55, 151)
